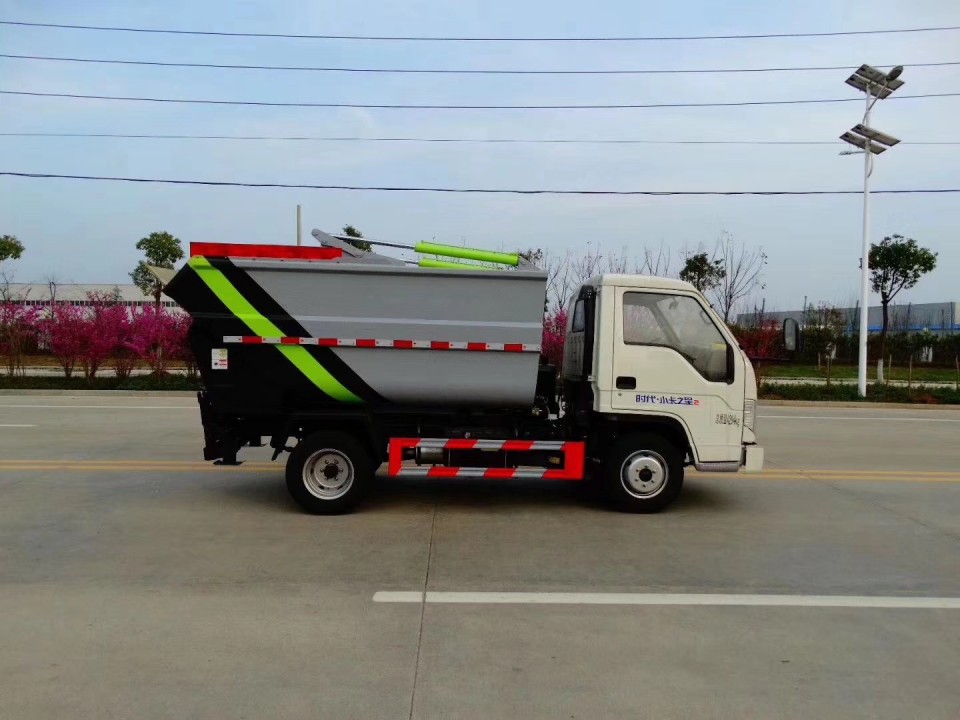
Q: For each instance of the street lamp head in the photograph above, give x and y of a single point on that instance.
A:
(895, 73)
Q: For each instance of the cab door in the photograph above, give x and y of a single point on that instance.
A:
(671, 358)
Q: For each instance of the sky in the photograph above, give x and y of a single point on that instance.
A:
(86, 231)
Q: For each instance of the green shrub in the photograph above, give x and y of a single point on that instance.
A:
(848, 392)
(138, 382)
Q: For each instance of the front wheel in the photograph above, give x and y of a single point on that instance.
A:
(643, 473)
(328, 473)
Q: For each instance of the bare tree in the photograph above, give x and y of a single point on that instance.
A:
(617, 262)
(568, 271)
(743, 273)
(53, 282)
(655, 262)
(5, 293)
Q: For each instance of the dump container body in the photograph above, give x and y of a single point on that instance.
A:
(314, 333)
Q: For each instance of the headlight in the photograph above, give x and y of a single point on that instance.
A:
(749, 413)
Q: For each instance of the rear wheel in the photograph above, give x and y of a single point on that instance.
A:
(643, 473)
(328, 473)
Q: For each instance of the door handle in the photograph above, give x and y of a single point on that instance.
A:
(625, 382)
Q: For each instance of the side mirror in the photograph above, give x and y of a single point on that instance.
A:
(791, 335)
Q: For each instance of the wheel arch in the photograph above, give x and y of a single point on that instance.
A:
(609, 428)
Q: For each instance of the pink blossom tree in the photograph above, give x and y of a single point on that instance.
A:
(18, 333)
(183, 352)
(105, 322)
(554, 333)
(154, 337)
(64, 332)
(125, 353)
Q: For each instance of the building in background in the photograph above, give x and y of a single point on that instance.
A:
(939, 318)
(75, 294)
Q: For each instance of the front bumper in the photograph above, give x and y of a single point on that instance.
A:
(752, 458)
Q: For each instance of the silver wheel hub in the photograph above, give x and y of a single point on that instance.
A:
(644, 474)
(328, 474)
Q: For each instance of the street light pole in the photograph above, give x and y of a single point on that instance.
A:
(865, 261)
(876, 85)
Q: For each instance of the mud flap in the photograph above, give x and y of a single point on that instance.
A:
(220, 444)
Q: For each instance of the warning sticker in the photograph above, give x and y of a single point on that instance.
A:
(219, 359)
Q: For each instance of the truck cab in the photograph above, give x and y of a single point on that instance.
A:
(648, 362)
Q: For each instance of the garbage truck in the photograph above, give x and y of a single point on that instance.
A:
(350, 360)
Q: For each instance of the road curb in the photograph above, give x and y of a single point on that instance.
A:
(102, 393)
(853, 404)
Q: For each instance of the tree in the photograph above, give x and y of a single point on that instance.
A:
(106, 323)
(161, 249)
(742, 273)
(824, 327)
(762, 342)
(66, 331)
(703, 272)
(655, 263)
(554, 334)
(10, 248)
(896, 263)
(351, 231)
(155, 337)
(18, 332)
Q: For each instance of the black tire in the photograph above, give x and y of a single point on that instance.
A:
(643, 473)
(329, 472)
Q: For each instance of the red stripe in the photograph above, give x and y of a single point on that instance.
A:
(459, 444)
(500, 473)
(396, 448)
(517, 445)
(275, 252)
(372, 343)
(443, 472)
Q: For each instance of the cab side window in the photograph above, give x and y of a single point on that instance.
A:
(678, 322)
(579, 321)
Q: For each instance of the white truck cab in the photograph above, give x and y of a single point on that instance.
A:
(648, 356)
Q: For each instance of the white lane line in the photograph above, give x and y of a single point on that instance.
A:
(574, 598)
(856, 417)
(20, 426)
(107, 407)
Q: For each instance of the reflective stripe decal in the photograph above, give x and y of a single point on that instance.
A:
(261, 326)
(280, 339)
(573, 459)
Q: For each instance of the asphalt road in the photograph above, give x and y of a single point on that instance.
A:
(136, 582)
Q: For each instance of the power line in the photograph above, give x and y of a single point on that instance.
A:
(523, 141)
(498, 191)
(443, 38)
(403, 106)
(453, 71)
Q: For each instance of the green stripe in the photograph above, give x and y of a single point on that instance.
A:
(260, 325)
